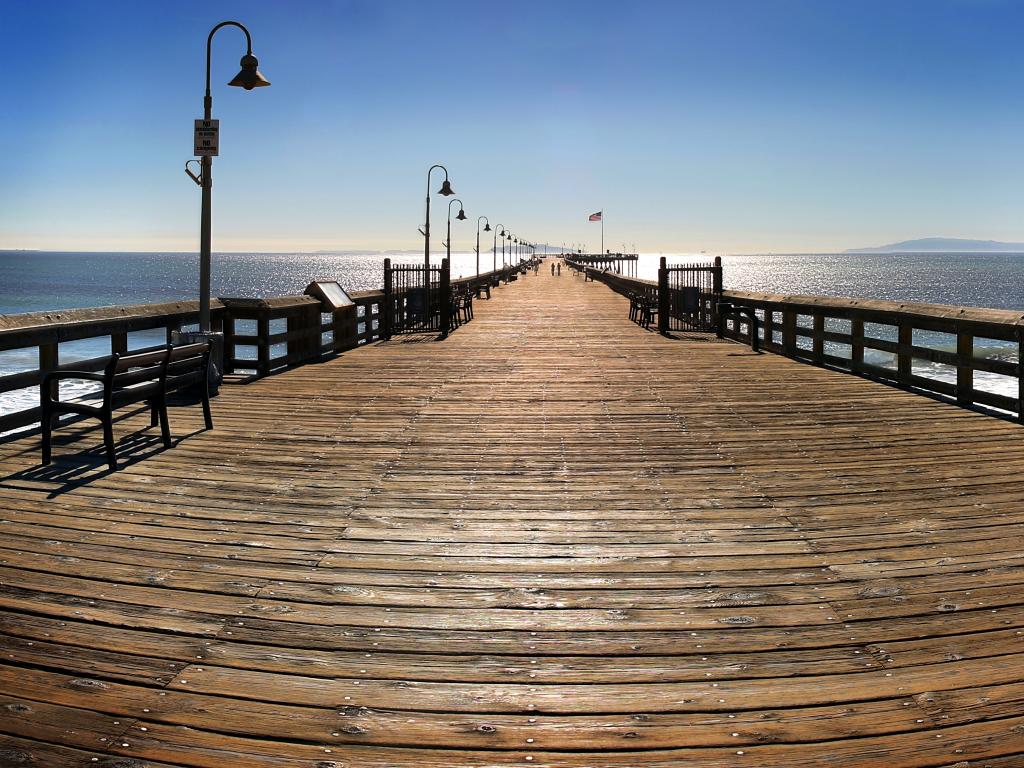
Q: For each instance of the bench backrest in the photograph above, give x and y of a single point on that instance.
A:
(128, 370)
(188, 364)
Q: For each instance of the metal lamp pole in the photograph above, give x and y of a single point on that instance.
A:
(487, 228)
(447, 191)
(461, 217)
(494, 245)
(511, 241)
(248, 78)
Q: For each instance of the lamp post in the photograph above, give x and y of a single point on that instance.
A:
(460, 217)
(494, 246)
(248, 78)
(447, 191)
(487, 228)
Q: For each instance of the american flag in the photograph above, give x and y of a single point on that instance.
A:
(595, 216)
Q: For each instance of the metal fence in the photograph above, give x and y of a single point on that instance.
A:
(416, 298)
(688, 295)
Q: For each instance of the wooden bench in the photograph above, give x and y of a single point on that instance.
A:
(129, 379)
(188, 367)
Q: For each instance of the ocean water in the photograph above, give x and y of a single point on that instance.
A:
(33, 280)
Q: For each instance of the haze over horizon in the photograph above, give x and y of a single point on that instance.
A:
(787, 126)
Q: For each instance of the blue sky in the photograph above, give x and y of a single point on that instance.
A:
(727, 126)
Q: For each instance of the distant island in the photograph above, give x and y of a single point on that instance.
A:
(943, 245)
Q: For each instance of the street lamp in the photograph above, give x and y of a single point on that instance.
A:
(487, 228)
(500, 229)
(509, 238)
(460, 217)
(249, 77)
(447, 191)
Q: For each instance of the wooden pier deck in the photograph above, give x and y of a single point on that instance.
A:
(554, 539)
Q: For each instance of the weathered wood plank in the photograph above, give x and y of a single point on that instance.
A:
(553, 539)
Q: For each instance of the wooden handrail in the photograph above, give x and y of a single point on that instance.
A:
(302, 314)
(784, 332)
(796, 325)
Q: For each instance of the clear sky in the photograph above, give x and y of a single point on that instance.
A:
(726, 126)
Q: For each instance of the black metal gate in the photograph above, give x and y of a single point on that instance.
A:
(417, 298)
(688, 295)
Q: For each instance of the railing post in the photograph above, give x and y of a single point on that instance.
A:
(263, 342)
(230, 350)
(768, 324)
(385, 316)
(446, 297)
(343, 328)
(48, 361)
(965, 368)
(819, 339)
(716, 289)
(118, 343)
(663, 299)
(856, 344)
(305, 323)
(1020, 373)
(789, 332)
(904, 358)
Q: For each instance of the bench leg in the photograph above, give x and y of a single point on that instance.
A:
(47, 425)
(108, 441)
(154, 413)
(165, 426)
(207, 417)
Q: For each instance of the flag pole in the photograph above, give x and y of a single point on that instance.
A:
(602, 231)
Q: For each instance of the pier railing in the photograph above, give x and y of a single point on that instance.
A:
(838, 331)
(261, 336)
(44, 332)
(884, 340)
(670, 294)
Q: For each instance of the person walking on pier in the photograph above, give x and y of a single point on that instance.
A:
(559, 268)
(552, 269)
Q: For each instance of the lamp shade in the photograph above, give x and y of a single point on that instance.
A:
(446, 189)
(487, 227)
(250, 76)
(462, 215)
